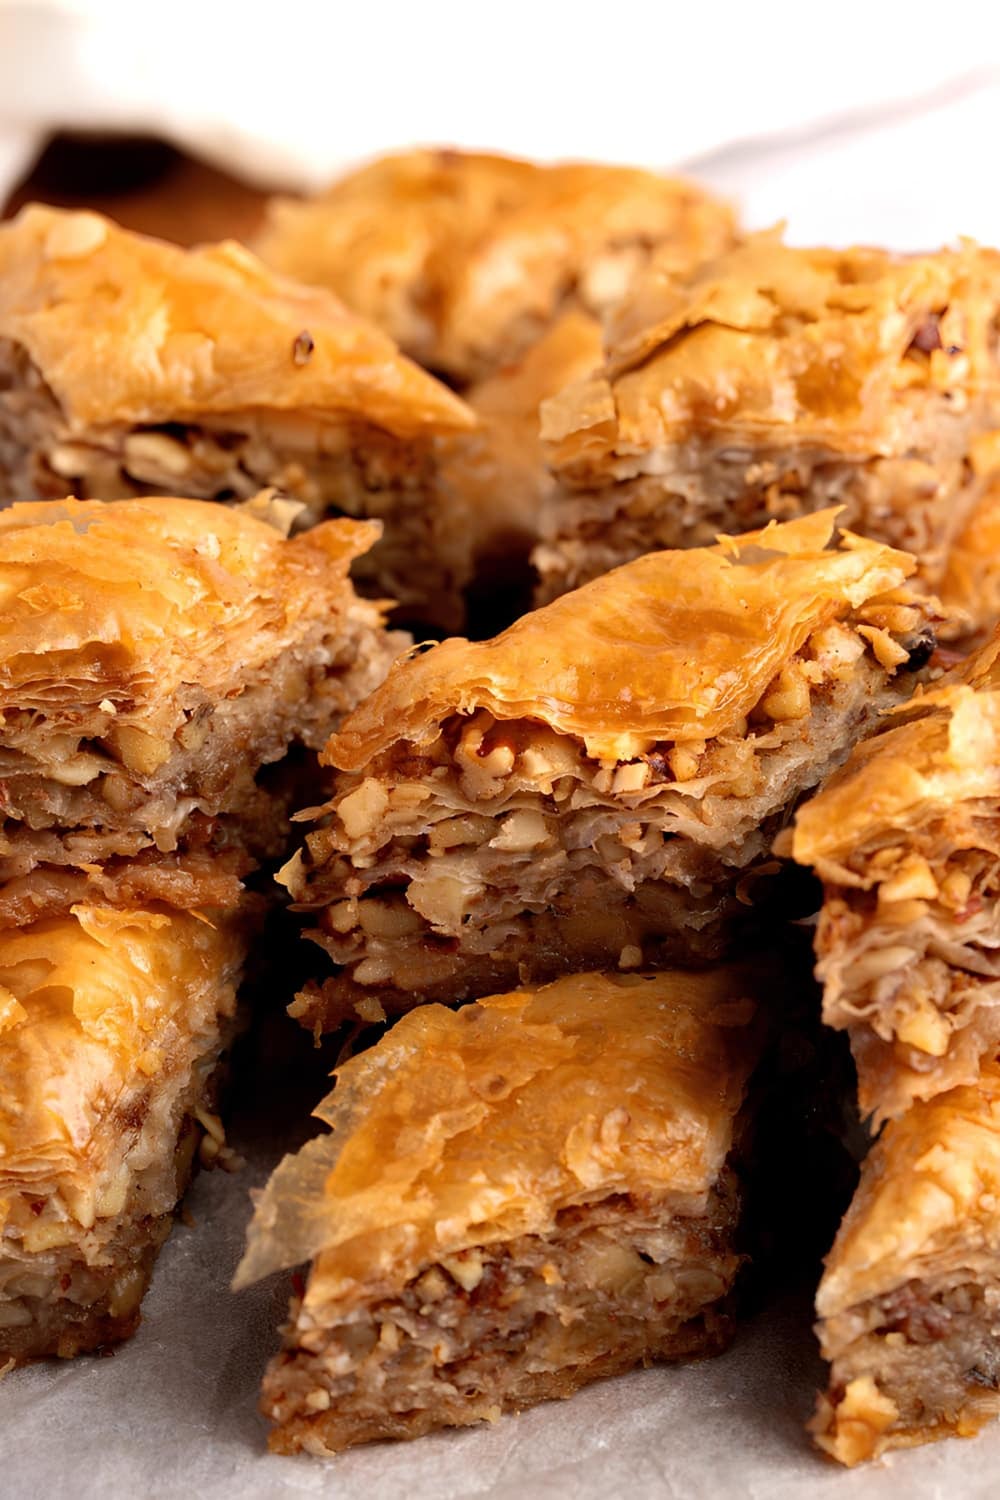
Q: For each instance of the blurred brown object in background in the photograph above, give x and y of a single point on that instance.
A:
(145, 184)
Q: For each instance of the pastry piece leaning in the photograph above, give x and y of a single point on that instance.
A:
(112, 1023)
(909, 1305)
(773, 381)
(466, 258)
(600, 784)
(130, 367)
(516, 1198)
(906, 839)
(156, 657)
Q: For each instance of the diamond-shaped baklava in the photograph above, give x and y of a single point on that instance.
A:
(515, 1199)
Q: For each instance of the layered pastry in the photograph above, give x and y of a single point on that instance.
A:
(112, 1023)
(156, 656)
(909, 1305)
(494, 480)
(516, 1198)
(905, 839)
(131, 367)
(466, 258)
(601, 784)
(773, 381)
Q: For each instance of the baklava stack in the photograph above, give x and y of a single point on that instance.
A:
(158, 661)
(129, 367)
(772, 381)
(907, 841)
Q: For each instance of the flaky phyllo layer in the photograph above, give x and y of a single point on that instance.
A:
(212, 378)
(516, 1198)
(111, 1025)
(909, 1305)
(603, 782)
(774, 381)
(155, 657)
(907, 841)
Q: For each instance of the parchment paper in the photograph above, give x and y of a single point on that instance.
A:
(173, 1413)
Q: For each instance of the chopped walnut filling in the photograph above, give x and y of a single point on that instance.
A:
(911, 966)
(498, 1326)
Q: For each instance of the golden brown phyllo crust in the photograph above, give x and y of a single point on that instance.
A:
(906, 839)
(131, 367)
(155, 658)
(773, 381)
(111, 1027)
(598, 1229)
(601, 783)
(465, 258)
(909, 1305)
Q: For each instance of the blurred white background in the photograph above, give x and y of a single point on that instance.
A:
(872, 121)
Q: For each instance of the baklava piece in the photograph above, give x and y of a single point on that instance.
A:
(156, 657)
(112, 1024)
(906, 839)
(774, 381)
(496, 476)
(465, 259)
(601, 783)
(909, 1305)
(517, 1198)
(131, 367)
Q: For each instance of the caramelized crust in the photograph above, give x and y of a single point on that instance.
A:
(111, 1026)
(909, 1305)
(466, 258)
(906, 839)
(130, 367)
(515, 1199)
(773, 381)
(600, 784)
(154, 658)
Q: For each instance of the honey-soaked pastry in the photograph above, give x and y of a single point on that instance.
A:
(906, 839)
(131, 367)
(465, 258)
(909, 1305)
(516, 1198)
(774, 381)
(970, 588)
(111, 1027)
(495, 480)
(599, 785)
(155, 656)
